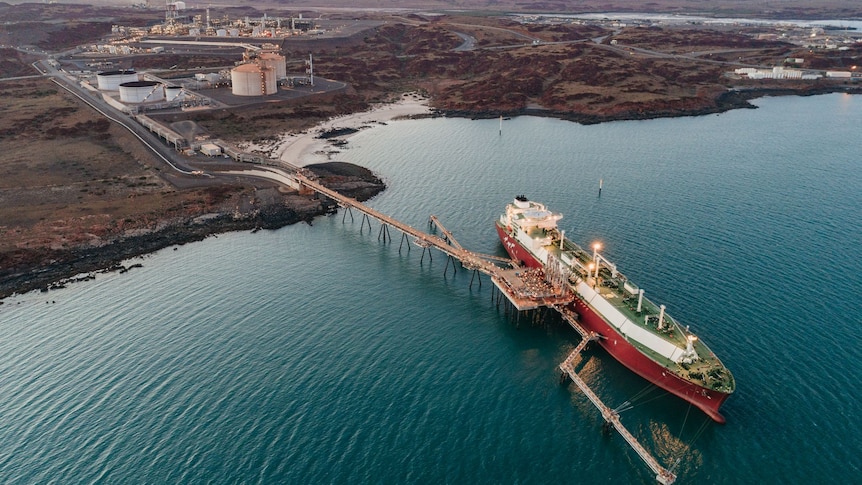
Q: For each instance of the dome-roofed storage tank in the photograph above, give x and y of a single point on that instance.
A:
(111, 80)
(142, 92)
(276, 62)
(252, 80)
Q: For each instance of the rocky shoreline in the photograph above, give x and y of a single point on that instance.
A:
(81, 263)
(738, 98)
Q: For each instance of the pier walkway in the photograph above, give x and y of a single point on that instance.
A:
(469, 259)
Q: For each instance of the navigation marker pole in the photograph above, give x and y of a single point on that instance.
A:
(501, 125)
(600, 187)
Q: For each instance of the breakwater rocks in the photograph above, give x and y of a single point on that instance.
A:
(336, 132)
(46, 268)
(348, 179)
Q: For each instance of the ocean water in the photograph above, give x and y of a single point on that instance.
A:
(321, 354)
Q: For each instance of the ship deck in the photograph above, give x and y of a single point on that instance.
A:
(647, 318)
(708, 369)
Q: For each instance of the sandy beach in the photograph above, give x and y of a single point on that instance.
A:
(305, 148)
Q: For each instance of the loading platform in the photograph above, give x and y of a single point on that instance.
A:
(527, 289)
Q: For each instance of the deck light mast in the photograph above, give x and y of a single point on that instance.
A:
(596, 247)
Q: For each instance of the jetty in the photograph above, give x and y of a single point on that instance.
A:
(525, 289)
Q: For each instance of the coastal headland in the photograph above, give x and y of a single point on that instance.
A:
(78, 193)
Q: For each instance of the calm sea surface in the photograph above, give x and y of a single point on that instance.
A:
(318, 354)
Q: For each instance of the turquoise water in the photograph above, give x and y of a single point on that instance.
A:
(318, 354)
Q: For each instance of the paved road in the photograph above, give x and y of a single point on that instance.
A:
(469, 42)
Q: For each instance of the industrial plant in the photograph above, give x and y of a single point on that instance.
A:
(127, 91)
(177, 23)
(198, 62)
(258, 70)
(262, 71)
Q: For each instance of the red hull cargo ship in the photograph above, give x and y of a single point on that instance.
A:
(635, 331)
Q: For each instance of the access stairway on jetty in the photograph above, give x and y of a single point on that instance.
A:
(526, 289)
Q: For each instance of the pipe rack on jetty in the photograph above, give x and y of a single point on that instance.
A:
(511, 282)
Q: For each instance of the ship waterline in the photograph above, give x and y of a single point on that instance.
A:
(636, 332)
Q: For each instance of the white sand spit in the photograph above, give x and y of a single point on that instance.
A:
(305, 148)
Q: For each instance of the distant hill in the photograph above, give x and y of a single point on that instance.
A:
(796, 9)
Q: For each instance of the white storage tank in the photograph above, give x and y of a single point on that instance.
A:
(276, 62)
(173, 93)
(221, 33)
(111, 80)
(142, 92)
(253, 80)
(194, 31)
(233, 32)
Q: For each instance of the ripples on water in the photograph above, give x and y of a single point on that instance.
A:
(316, 354)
